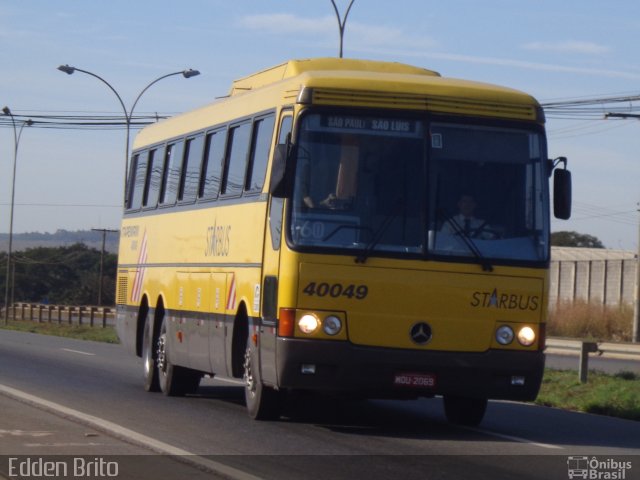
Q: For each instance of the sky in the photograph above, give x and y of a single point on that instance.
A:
(73, 179)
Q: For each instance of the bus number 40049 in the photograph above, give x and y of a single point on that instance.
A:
(335, 290)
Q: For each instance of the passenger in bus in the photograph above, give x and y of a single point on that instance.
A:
(465, 222)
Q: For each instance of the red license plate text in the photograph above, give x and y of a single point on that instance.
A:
(415, 380)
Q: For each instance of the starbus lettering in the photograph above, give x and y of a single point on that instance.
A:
(504, 300)
(218, 241)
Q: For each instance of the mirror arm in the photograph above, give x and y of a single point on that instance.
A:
(557, 161)
(552, 164)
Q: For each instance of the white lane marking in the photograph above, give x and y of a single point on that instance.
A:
(78, 351)
(515, 439)
(127, 434)
(64, 445)
(24, 433)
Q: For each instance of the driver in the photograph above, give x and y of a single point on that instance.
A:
(465, 222)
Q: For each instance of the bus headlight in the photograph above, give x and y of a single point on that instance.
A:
(332, 325)
(504, 335)
(308, 323)
(526, 336)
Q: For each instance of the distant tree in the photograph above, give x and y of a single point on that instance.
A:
(63, 275)
(575, 239)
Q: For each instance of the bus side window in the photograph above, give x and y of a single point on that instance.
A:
(236, 159)
(137, 181)
(275, 211)
(191, 169)
(285, 129)
(171, 174)
(155, 171)
(212, 165)
(154, 168)
(133, 165)
(261, 144)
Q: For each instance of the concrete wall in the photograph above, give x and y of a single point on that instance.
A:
(601, 281)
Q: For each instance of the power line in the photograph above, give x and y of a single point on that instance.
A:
(76, 205)
(593, 108)
(82, 120)
(589, 211)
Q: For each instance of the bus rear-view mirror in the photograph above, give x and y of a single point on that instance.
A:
(562, 194)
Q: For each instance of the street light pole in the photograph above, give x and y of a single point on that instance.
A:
(128, 115)
(69, 71)
(635, 334)
(17, 133)
(635, 337)
(341, 22)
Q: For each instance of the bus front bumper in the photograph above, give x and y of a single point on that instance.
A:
(375, 372)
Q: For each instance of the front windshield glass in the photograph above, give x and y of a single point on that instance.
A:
(487, 190)
(360, 180)
(394, 186)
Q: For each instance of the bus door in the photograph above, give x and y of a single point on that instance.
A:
(270, 273)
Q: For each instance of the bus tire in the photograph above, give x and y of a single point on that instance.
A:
(174, 381)
(465, 410)
(150, 372)
(263, 402)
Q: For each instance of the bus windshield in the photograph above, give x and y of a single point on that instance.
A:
(392, 186)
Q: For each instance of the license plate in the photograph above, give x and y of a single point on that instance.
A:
(415, 380)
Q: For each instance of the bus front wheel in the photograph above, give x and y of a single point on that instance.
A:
(464, 410)
(262, 402)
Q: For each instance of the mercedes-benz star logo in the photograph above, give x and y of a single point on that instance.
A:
(420, 333)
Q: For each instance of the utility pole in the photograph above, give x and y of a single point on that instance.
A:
(635, 332)
(104, 239)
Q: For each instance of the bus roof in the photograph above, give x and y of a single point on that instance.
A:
(293, 68)
(349, 82)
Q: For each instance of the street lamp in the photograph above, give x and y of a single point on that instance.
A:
(17, 133)
(69, 70)
(341, 22)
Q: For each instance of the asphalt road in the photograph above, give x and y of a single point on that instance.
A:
(88, 396)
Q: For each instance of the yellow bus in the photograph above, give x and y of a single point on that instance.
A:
(343, 226)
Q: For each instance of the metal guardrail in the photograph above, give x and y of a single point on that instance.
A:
(69, 314)
(627, 351)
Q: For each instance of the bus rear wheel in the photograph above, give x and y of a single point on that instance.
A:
(150, 372)
(263, 402)
(174, 381)
(465, 410)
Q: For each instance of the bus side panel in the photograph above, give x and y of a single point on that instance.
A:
(195, 299)
(216, 322)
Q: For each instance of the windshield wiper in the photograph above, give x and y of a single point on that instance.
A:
(345, 226)
(366, 253)
(473, 248)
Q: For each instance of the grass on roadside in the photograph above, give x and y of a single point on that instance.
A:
(613, 395)
(81, 332)
(580, 319)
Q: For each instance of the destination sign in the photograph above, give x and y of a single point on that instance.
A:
(354, 124)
